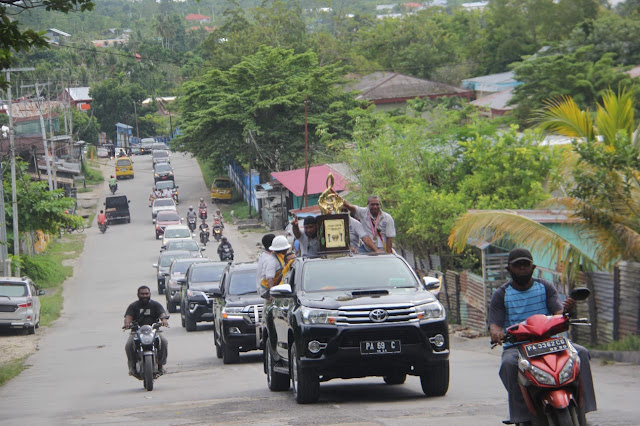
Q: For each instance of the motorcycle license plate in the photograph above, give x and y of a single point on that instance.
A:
(379, 347)
(546, 347)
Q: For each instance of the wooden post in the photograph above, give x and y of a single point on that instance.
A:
(616, 303)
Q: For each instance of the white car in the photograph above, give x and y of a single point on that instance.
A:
(160, 204)
(176, 231)
(19, 303)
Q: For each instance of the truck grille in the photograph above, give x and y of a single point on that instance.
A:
(352, 339)
(362, 314)
(253, 314)
(8, 308)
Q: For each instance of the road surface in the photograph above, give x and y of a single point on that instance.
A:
(79, 375)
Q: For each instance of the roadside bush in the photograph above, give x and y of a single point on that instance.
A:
(46, 271)
(92, 176)
(629, 343)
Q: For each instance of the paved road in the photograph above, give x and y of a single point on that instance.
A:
(79, 374)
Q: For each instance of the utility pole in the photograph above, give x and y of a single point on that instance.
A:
(135, 111)
(14, 196)
(306, 152)
(4, 252)
(250, 175)
(47, 159)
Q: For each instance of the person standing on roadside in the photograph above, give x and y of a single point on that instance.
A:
(378, 225)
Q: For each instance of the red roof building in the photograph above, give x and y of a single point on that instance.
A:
(293, 180)
(196, 17)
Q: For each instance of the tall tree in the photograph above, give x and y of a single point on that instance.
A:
(113, 101)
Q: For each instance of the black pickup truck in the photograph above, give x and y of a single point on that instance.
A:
(354, 316)
(116, 208)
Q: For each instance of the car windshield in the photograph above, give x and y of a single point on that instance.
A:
(209, 273)
(223, 183)
(163, 167)
(163, 202)
(123, 162)
(243, 282)
(177, 233)
(167, 184)
(168, 216)
(166, 260)
(374, 273)
(180, 267)
(13, 289)
(160, 154)
(188, 245)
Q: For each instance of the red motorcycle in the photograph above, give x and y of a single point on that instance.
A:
(549, 367)
(203, 213)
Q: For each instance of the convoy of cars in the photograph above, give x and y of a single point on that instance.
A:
(343, 316)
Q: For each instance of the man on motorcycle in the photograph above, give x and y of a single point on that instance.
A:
(218, 217)
(204, 228)
(113, 182)
(514, 302)
(203, 204)
(102, 218)
(145, 311)
(225, 244)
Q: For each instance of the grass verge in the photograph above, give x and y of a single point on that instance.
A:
(208, 171)
(628, 343)
(51, 305)
(92, 175)
(11, 369)
(240, 209)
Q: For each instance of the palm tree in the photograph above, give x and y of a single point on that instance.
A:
(605, 190)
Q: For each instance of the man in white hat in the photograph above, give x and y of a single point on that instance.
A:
(274, 264)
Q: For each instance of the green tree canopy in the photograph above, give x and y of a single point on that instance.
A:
(113, 101)
(265, 95)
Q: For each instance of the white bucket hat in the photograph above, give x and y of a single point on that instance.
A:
(280, 243)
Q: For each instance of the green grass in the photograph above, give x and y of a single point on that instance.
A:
(208, 170)
(92, 175)
(11, 369)
(629, 343)
(46, 269)
(240, 210)
(51, 305)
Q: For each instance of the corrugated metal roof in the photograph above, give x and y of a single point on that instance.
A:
(497, 101)
(386, 85)
(293, 180)
(79, 93)
(62, 33)
(491, 82)
(27, 111)
(541, 215)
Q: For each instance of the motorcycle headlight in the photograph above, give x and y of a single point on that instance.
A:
(430, 311)
(318, 316)
(542, 376)
(232, 312)
(146, 339)
(567, 371)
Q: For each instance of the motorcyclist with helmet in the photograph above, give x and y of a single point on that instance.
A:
(225, 244)
(192, 218)
(113, 183)
(145, 311)
(203, 204)
(204, 229)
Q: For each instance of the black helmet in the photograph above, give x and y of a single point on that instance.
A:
(190, 207)
(224, 239)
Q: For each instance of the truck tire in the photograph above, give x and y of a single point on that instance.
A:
(435, 381)
(230, 354)
(306, 384)
(189, 323)
(217, 345)
(395, 379)
(172, 307)
(276, 382)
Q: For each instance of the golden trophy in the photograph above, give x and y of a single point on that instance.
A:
(333, 225)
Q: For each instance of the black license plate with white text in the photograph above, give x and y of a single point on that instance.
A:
(546, 347)
(380, 347)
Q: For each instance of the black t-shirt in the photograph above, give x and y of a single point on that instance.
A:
(145, 314)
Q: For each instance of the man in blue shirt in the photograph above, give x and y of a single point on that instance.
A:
(514, 302)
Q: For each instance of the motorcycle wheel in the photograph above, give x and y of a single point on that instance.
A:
(148, 372)
(577, 415)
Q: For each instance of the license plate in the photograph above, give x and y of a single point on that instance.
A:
(546, 347)
(380, 347)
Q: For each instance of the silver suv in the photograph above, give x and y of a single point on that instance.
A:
(19, 303)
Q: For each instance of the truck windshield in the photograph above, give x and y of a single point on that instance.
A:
(208, 273)
(243, 282)
(177, 233)
(359, 273)
(13, 289)
(189, 245)
(167, 184)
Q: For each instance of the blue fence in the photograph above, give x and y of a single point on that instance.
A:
(240, 180)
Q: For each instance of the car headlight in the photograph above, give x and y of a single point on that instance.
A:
(232, 312)
(195, 293)
(567, 371)
(430, 311)
(318, 316)
(146, 339)
(156, 175)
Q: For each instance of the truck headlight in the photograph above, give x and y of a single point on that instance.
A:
(232, 312)
(430, 311)
(195, 293)
(318, 316)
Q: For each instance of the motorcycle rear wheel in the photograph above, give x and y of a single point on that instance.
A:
(148, 372)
